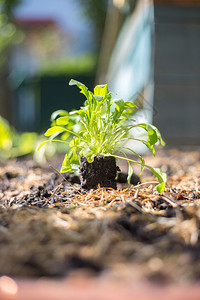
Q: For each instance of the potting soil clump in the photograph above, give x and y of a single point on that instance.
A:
(102, 171)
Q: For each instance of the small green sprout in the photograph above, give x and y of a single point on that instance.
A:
(100, 128)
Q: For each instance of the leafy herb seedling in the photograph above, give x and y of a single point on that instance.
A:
(97, 132)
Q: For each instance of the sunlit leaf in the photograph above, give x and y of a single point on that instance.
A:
(101, 90)
(66, 165)
(54, 129)
(62, 120)
(82, 87)
(57, 113)
(130, 172)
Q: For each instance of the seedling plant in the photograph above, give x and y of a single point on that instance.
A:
(100, 128)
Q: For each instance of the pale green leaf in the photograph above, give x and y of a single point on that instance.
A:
(45, 142)
(42, 144)
(130, 172)
(57, 113)
(66, 166)
(54, 129)
(82, 87)
(161, 187)
(62, 120)
(101, 90)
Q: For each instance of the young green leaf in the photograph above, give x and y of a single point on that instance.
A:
(54, 129)
(62, 120)
(66, 165)
(82, 87)
(57, 113)
(45, 142)
(101, 90)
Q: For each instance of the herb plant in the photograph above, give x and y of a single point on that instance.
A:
(100, 128)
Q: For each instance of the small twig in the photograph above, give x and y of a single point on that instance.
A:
(136, 194)
(58, 173)
(170, 200)
(122, 198)
(144, 183)
(133, 204)
(57, 188)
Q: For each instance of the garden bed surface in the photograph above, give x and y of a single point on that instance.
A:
(50, 227)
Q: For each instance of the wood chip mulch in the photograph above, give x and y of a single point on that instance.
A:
(50, 227)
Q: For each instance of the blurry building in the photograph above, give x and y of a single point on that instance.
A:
(177, 70)
(156, 61)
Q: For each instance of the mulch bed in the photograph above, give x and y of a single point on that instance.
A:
(50, 227)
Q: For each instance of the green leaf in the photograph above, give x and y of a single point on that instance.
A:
(59, 129)
(101, 90)
(42, 144)
(64, 136)
(153, 133)
(73, 157)
(119, 104)
(161, 187)
(128, 104)
(74, 142)
(158, 135)
(98, 98)
(71, 161)
(54, 129)
(82, 87)
(152, 136)
(161, 176)
(45, 142)
(90, 159)
(57, 113)
(130, 172)
(62, 120)
(139, 156)
(66, 166)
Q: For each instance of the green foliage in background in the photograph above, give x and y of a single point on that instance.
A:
(5, 136)
(100, 128)
(95, 11)
(9, 33)
(13, 144)
(73, 66)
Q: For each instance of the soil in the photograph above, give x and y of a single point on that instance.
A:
(51, 227)
(102, 171)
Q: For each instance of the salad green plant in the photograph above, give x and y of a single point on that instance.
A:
(100, 128)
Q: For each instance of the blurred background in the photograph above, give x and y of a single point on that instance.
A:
(147, 51)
